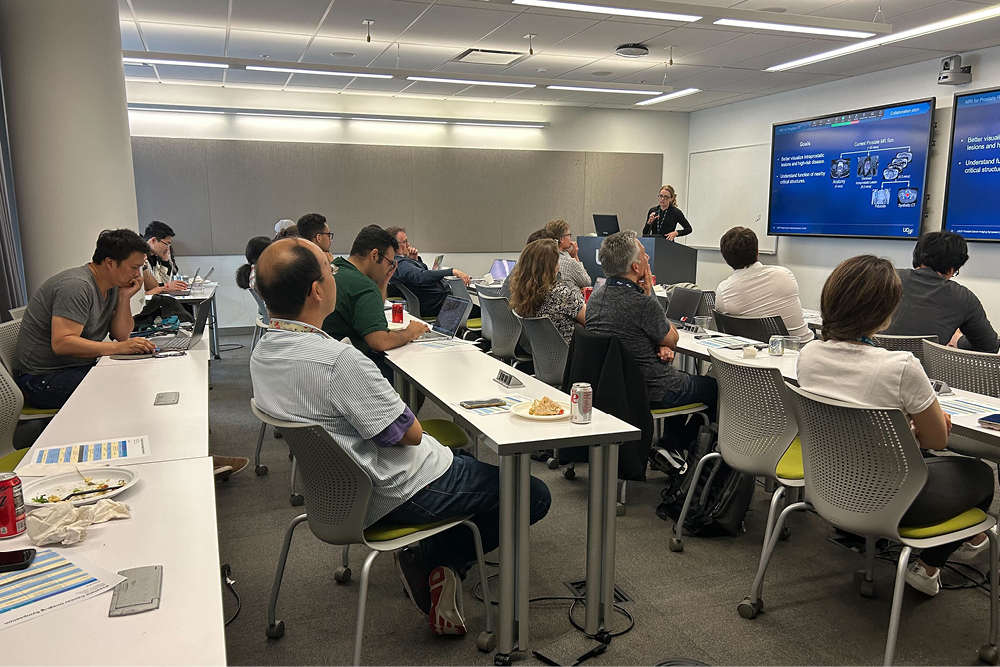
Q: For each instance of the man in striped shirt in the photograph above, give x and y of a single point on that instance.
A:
(302, 374)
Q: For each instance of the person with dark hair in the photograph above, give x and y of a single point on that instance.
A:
(313, 227)
(302, 374)
(536, 291)
(245, 275)
(758, 290)
(362, 280)
(427, 284)
(63, 329)
(160, 267)
(933, 303)
(858, 300)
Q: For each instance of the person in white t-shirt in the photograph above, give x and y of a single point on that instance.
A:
(858, 300)
(756, 290)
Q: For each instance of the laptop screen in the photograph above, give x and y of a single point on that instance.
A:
(606, 225)
(683, 303)
(501, 268)
(437, 262)
(450, 316)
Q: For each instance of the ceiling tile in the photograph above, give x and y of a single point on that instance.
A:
(391, 18)
(318, 81)
(553, 65)
(617, 66)
(322, 49)
(716, 78)
(736, 51)
(549, 30)
(961, 39)
(471, 68)
(864, 10)
(195, 40)
(653, 76)
(539, 93)
(793, 6)
(415, 56)
(867, 58)
(382, 85)
(130, 37)
(803, 50)
(687, 41)
(123, 11)
(212, 13)
(611, 98)
(254, 44)
(437, 89)
(296, 16)
(139, 72)
(181, 73)
(765, 81)
(454, 26)
(259, 78)
(914, 57)
(602, 39)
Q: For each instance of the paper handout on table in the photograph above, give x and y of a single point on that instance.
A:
(966, 406)
(52, 581)
(67, 458)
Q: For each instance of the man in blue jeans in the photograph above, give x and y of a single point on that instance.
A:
(63, 329)
(302, 374)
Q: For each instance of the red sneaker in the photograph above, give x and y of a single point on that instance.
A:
(446, 607)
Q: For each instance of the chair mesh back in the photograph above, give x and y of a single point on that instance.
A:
(862, 465)
(261, 308)
(506, 328)
(458, 288)
(11, 402)
(755, 328)
(17, 313)
(548, 349)
(489, 291)
(756, 423)
(8, 342)
(707, 304)
(977, 372)
(912, 344)
(412, 302)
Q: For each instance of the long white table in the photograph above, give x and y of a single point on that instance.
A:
(173, 524)
(448, 376)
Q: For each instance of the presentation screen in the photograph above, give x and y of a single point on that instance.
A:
(859, 173)
(972, 199)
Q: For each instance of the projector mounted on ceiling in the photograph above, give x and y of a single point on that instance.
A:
(632, 51)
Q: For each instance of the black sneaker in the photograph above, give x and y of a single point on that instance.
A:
(414, 575)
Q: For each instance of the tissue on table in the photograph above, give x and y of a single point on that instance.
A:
(64, 523)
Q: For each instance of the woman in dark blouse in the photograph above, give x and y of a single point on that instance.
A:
(662, 220)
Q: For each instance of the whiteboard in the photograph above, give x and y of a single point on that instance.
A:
(728, 188)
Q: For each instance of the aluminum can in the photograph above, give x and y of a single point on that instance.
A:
(581, 403)
(587, 291)
(397, 313)
(11, 505)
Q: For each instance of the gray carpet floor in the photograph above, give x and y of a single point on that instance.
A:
(684, 604)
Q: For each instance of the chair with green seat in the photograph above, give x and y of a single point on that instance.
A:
(10, 461)
(11, 403)
(338, 491)
(863, 469)
(756, 434)
(446, 432)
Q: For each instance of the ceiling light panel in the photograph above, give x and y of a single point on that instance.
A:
(609, 10)
(783, 27)
(318, 72)
(176, 63)
(669, 96)
(597, 89)
(470, 82)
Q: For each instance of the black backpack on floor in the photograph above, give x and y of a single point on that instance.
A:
(722, 495)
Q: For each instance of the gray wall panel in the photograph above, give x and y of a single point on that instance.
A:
(539, 186)
(622, 183)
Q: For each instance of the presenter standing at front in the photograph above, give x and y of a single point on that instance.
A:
(662, 220)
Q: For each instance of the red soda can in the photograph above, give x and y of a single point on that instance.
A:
(587, 291)
(11, 505)
(654, 279)
(397, 313)
(581, 403)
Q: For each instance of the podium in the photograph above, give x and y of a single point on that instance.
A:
(669, 261)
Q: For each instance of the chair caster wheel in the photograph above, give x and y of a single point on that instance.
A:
(619, 509)
(486, 642)
(502, 659)
(867, 589)
(675, 545)
(569, 473)
(276, 631)
(342, 574)
(749, 609)
(989, 654)
(277, 434)
(784, 534)
(260, 470)
(298, 500)
(552, 464)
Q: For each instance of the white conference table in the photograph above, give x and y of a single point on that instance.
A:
(461, 373)
(172, 524)
(195, 299)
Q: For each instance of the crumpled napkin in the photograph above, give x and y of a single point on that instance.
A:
(62, 522)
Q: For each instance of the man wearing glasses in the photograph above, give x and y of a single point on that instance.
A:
(427, 284)
(313, 227)
(160, 267)
(362, 279)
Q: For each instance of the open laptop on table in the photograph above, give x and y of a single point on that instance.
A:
(501, 268)
(449, 319)
(683, 306)
(181, 341)
(606, 225)
(437, 262)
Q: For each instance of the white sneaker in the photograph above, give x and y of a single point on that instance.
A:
(968, 551)
(446, 602)
(917, 577)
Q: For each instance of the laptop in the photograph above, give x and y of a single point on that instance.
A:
(501, 268)
(437, 262)
(683, 306)
(606, 225)
(180, 341)
(449, 319)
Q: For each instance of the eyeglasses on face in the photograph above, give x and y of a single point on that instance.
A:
(392, 262)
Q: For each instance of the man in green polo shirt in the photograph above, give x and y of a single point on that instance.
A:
(361, 285)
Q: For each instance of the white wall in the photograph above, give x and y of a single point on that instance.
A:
(571, 129)
(812, 260)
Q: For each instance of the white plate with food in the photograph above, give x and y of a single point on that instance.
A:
(543, 409)
(80, 487)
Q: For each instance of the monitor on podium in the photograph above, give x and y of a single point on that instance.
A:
(670, 262)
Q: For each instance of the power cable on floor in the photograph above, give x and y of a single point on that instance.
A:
(226, 576)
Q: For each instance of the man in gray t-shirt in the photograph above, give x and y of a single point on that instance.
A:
(625, 307)
(63, 329)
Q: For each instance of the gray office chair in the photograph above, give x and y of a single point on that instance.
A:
(294, 497)
(11, 403)
(412, 302)
(757, 434)
(707, 304)
(17, 313)
(8, 342)
(912, 344)
(489, 290)
(755, 328)
(339, 491)
(506, 328)
(263, 319)
(863, 469)
(548, 349)
(978, 372)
